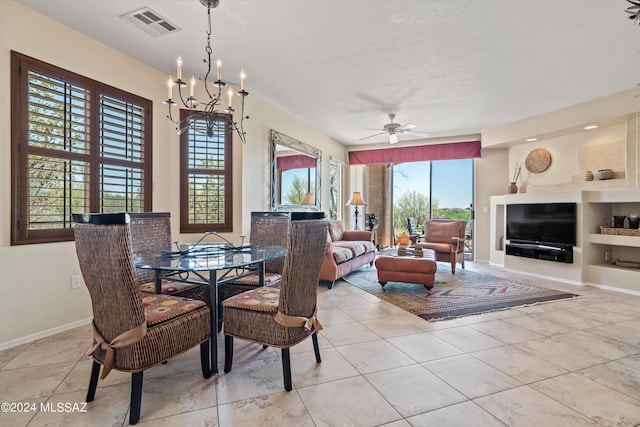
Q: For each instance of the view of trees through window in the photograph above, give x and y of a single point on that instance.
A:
(432, 189)
(296, 184)
(205, 191)
(84, 149)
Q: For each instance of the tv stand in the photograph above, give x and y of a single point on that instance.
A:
(557, 253)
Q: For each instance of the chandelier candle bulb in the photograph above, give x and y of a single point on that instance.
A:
(242, 77)
(193, 85)
(230, 93)
(219, 69)
(170, 90)
(179, 63)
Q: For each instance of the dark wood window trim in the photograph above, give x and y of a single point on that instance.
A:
(95, 154)
(217, 215)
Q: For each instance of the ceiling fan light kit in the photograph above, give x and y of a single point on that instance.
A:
(394, 129)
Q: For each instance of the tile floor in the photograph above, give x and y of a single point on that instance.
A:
(565, 363)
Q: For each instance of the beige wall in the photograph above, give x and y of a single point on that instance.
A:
(36, 298)
(491, 178)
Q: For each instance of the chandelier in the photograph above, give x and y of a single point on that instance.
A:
(207, 111)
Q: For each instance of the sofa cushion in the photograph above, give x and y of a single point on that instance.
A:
(336, 230)
(342, 254)
(357, 248)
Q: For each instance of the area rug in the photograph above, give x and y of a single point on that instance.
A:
(455, 295)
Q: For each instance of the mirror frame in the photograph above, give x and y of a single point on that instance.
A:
(278, 138)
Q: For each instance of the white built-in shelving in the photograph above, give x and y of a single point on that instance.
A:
(603, 249)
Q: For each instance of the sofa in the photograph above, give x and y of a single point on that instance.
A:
(346, 251)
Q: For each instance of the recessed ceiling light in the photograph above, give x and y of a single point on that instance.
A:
(590, 127)
(531, 139)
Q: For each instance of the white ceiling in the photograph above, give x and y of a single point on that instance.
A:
(450, 67)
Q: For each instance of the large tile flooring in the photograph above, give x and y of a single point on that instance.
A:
(566, 363)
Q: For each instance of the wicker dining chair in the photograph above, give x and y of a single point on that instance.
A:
(267, 228)
(150, 235)
(132, 332)
(282, 317)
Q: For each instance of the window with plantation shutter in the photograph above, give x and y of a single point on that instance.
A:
(78, 146)
(205, 177)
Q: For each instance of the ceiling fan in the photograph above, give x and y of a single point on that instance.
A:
(394, 129)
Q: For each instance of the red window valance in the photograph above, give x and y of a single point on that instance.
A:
(419, 153)
(298, 161)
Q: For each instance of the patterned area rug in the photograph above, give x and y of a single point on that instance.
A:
(457, 295)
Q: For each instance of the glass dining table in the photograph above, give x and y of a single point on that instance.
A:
(210, 264)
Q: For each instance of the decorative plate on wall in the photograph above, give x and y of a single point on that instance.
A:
(538, 160)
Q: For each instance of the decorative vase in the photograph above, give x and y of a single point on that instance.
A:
(588, 176)
(602, 174)
(513, 188)
(618, 221)
(634, 221)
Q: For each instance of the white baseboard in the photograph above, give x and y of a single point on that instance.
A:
(613, 288)
(44, 334)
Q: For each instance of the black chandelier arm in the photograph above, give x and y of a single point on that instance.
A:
(206, 111)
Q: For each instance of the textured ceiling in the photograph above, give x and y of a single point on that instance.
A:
(450, 67)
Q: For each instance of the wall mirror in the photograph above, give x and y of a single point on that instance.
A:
(295, 174)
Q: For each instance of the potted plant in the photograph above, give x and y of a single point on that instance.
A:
(403, 239)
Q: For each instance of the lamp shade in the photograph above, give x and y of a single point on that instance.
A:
(309, 199)
(356, 200)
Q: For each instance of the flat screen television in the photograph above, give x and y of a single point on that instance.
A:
(542, 223)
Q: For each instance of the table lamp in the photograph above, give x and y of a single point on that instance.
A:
(309, 199)
(356, 200)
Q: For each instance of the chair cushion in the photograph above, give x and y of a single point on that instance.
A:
(438, 247)
(168, 287)
(336, 230)
(269, 279)
(159, 308)
(441, 232)
(260, 299)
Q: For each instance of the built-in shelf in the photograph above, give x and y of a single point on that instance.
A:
(609, 239)
(620, 278)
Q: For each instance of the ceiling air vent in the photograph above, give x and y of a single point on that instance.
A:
(150, 22)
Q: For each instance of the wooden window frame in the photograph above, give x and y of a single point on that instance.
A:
(20, 148)
(227, 173)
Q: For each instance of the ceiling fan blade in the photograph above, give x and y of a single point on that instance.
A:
(408, 126)
(376, 129)
(393, 138)
(371, 136)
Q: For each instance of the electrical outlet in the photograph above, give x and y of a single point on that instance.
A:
(76, 281)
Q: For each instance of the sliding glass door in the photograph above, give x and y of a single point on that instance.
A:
(433, 189)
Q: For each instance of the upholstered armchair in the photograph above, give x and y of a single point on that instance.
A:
(132, 331)
(446, 238)
(286, 316)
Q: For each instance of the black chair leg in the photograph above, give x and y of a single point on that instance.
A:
(93, 382)
(204, 359)
(228, 353)
(316, 347)
(286, 368)
(136, 397)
